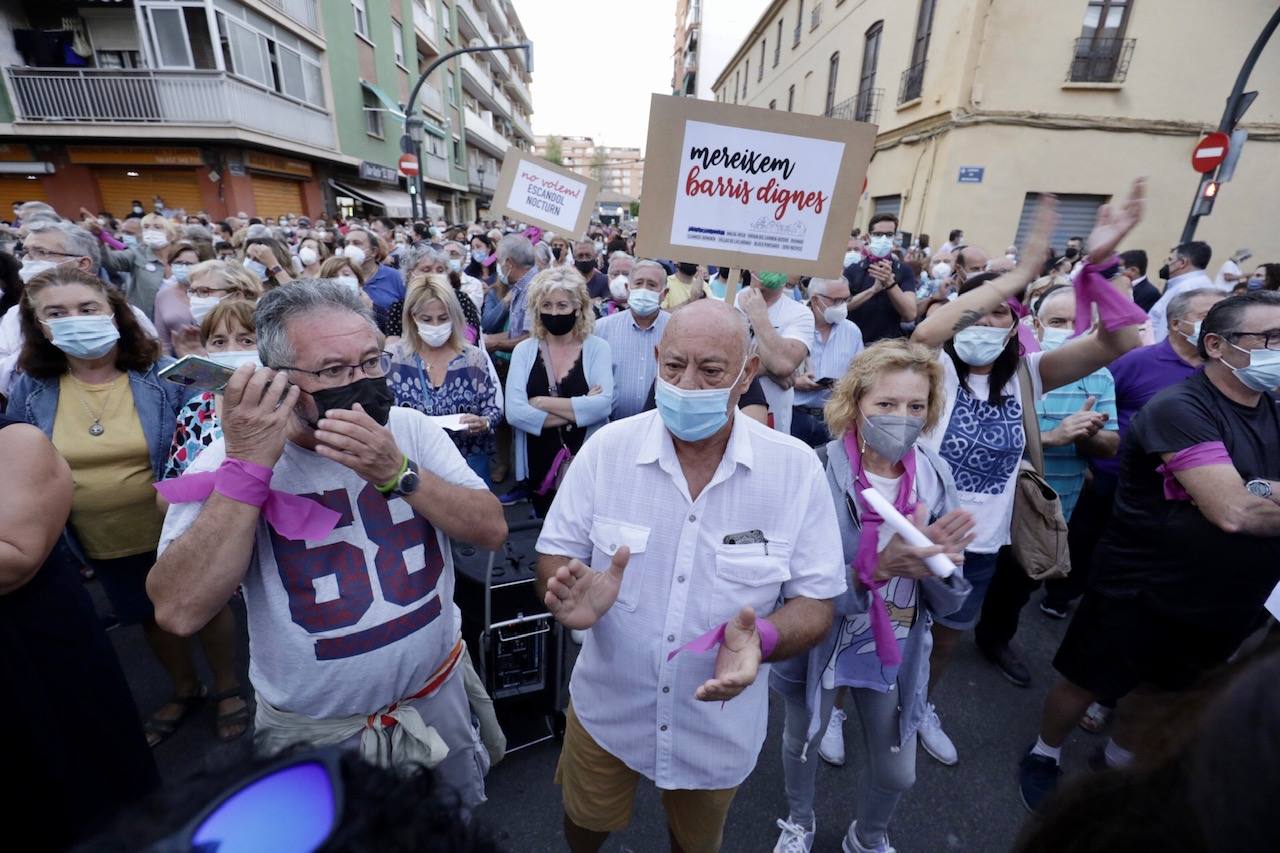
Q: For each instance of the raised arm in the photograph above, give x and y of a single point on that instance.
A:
(779, 356)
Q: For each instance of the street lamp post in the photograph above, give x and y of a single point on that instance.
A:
(415, 125)
(479, 198)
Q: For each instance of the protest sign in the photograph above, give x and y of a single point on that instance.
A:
(736, 186)
(540, 193)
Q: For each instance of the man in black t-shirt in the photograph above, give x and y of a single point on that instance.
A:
(883, 288)
(1193, 549)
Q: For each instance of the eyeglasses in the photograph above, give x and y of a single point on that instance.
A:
(291, 807)
(205, 292)
(36, 254)
(374, 368)
(1270, 339)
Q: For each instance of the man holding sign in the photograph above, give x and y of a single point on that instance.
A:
(782, 329)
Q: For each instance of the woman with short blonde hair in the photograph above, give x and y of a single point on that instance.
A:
(567, 281)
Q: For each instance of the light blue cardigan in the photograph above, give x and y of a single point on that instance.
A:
(591, 413)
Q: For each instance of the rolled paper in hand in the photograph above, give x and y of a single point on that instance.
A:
(901, 525)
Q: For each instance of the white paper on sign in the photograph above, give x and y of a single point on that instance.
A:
(899, 524)
(547, 195)
(754, 191)
(449, 422)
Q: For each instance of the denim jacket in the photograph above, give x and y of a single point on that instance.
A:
(157, 401)
(803, 674)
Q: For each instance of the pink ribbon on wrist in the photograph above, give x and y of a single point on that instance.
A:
(715, 637)
(292, 516)
(1114, 310)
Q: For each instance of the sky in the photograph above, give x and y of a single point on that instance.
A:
(596, 62)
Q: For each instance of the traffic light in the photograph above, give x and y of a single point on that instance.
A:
(1208, 192)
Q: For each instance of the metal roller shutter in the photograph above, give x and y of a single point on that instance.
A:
(178, 188)
(1076, 215)
(887, 204)
(276, 196)
(14, 188)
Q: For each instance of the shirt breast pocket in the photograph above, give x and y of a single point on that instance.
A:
(749, 574)
(607, 536)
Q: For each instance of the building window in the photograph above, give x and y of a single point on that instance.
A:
(1102, 52)
(453, 88)
(773, 105)
(815, 17)
(457, 152)
(736, 75)
(913, 77)
(746, 75)
(868, 98)
(777, 44)
(372, 114)
(833, 68)
(362, 16)
(791, 97)
(397, 41)
(795, 39)
(760, 68)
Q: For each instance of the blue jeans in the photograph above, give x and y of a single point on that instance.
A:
(978, 570)
(808, 428)
(479, 462)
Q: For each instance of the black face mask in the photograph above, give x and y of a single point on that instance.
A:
(687, 269)
(558, 324)
(585, 267)
(373, 395)
(1164, 272)
(557, 251)
(1072, 252)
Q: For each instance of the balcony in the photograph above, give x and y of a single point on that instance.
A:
(912, 83)
(865, 106)
(518, 87)
(468, 13)
(437, 168)
(522, 126)
(476, 73)
(481, 133)
(1100, 60)
(424, 23)
(430, 99)
(302, 11)
(165, 98)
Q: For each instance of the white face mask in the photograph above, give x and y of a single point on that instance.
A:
(618, 287)
(234, 358)
(31, 269)
(941, 270)
(354, 254)
(851, 257)
(1054, 338)
(433, 335)
(643, 301)
(308, 256)
(350, 281)
(979, 346)
(880, 245)
(155, 237)
(834, 314)
(202, 305)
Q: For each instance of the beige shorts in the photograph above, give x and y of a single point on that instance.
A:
(599, 791)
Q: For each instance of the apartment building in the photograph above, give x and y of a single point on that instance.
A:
(260, 106)
(983, 106)
(620, 170)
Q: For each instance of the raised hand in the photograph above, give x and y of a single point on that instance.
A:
(1115, 221)
(737, 661)
(352, 438)
(256, 406)
(950, 535)
(1077, 425)
(578, 596)
(1036, 251)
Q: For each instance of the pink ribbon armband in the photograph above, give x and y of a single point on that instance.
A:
(714, 637)
(1115, 311)
(292, 516)
(1195, 456)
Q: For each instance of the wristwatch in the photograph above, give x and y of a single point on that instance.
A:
(404, 484)
(276, 270)
(1261, 488)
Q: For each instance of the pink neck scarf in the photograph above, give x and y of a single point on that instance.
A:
(864, 562)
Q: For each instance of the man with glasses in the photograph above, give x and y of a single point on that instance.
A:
(633, 336)
(836, 343)
(1193, 550)
(346, 561)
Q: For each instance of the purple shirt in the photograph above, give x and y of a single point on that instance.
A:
(1140, 374)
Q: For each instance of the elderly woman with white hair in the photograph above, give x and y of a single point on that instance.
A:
(146, 263)
(560, 385)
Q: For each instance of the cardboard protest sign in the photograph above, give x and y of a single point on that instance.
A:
(744, 187)
(540, 193)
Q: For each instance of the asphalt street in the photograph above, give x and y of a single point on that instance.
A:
(973, 806)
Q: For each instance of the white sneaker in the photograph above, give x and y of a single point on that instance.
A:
(934, 739)
(831, 748)
(794, 838)
(851, 844)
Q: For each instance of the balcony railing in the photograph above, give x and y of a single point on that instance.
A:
(481, 131)
(210, 98)
(865, 106)
(302, 11)
(912, 83)
(1100, 60)
(518, 86)
(521, 124)
(424, 22)
(437, 167)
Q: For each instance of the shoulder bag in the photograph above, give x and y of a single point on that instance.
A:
(1039, 530)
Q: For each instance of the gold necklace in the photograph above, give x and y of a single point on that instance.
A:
(95, 428)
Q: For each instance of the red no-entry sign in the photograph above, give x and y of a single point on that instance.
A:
(408, 165)
(1210, 152)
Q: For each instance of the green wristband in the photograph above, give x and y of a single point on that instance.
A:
(390, 485)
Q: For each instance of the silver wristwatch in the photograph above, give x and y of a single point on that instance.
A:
(1261, 488)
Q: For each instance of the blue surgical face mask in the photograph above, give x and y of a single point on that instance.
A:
(1194, 337)
(979, 346)
(455, 265)
(234, 358)
(257, 268)
(643, 301)
(693, 414)
(84, 336)
(129, 240)
(880, 245)
(851, 257)
(479, 255)
(1054, 338)
(1263, 371)
(181, 272)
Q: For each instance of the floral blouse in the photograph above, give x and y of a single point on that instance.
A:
(198, 427)
(468, 388)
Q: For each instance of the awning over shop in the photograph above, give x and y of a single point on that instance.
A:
(393, 202)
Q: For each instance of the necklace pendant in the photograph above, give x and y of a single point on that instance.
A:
(96, 429)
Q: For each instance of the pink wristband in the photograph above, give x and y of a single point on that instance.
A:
(768, 637)
(242, 481)
(714, 637)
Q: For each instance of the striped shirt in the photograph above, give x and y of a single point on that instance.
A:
(635, 364)
(830, 358)
(520, 324)
(1064, 467)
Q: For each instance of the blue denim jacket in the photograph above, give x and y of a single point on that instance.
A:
(157, 401)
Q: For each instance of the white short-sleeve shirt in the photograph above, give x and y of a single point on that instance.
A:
(626, 487)
(792, 320)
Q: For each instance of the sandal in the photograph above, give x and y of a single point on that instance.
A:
(163, 729)
(237, 718)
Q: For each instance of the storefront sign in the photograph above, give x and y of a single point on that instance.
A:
(378, 172)
(279, 165)
(121, 155)
(540, 193)
(745, 187)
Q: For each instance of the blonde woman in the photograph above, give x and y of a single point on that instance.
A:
(146, 263)
(435, 370)
(879, 643)
(560, 384)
